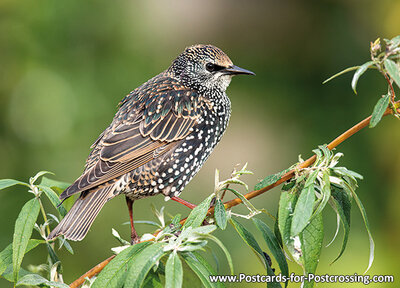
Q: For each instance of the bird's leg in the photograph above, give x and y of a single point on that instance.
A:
(184, 202)
(134, 236)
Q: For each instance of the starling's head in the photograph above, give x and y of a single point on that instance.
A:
(205, 67)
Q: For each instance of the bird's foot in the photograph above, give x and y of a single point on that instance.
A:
(134, 237)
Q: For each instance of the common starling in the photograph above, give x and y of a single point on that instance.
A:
(158, 140)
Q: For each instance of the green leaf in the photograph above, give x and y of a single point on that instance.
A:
(202, 269)
(325, 193)
(199, 213)
(245, 201)
(152, 280)
(277, 233)
(5, 183)
(311, 179)
(220, 214)
(360, 71)
(379, 110)
(118, 237)
(143, 262)
(303, 210)
(173, 271)
(9, 273)
(289, 185)
(114, 274)
(249, 239)
(365, 218)
(38, 175)
(393, 43)
(393, 70)
(270, 179)
(343, 171)
(226, 252)
(53, 256)
(273, 245)
(287, 203)
(6, 254)
(54, 183)
(152, 223)
(23, 231)
(311, 245)
(65, 243)
(32, 280)
(57, 284)
(53, 197)
(36, 280)
(341, 73)
(341, 203)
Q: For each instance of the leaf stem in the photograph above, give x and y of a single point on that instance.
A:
(44, 215)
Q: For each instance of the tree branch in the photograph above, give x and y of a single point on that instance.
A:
(350, 132)
(92, 272)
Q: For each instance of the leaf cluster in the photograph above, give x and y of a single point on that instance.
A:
(11, 257)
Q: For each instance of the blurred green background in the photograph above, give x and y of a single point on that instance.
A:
(65, 65)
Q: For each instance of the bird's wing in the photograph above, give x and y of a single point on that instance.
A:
(149, 123)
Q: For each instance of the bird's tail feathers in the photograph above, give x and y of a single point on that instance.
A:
(75, 225)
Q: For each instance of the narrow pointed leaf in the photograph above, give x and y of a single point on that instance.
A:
(114, 274)
(201, 268)
(277, 233)
(273, 245)
(287, 203)
(224, 249)
(341, 73)
(379, 110)
(245, 201)
(325, 193)
(32, 280)
(54, 183)
(220, 214)
(341, 202)
(52, 254)
(394, 71)
(360, 71)
(23, 231)
(199, 213)
(153, 280)
(371, 240)
(6, 254)
(173, 271)
(270, 179)
(141, 266)
(394, 42)
(311, 178)
(337, 229)
(303, 210)
(53, 197)
(5, 183)
(37, 280)
(311, 245)
(249, 239)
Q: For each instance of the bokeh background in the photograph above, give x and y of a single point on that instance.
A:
(65, 65)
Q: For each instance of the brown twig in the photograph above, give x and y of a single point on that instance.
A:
(350, 132)
(92, 272)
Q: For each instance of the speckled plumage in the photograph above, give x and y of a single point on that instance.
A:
(158, 140)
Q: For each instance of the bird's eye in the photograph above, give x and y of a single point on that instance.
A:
(213, 67)
(210, 67)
